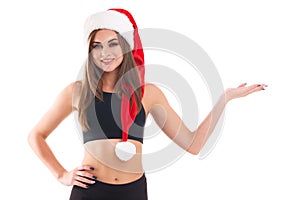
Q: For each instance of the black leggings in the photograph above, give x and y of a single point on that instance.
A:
(136, 190)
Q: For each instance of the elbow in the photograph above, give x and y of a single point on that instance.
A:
(33, 138)
(194, 151)
(195, 148)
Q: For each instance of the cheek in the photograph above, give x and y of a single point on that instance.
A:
(117, 52)
(96, 58)
(119, 60)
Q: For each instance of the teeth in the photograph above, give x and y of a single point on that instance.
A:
(107, 60)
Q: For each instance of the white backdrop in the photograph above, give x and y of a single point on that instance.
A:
(257, 157)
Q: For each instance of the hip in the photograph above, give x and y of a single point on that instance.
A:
(135, 190)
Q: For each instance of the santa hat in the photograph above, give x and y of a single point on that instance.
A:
(121, 20)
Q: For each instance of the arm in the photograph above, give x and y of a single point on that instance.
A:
(61, 108)
(171, 124)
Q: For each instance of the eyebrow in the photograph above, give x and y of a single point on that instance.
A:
(107, 42)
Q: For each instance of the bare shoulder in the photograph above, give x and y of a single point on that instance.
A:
(69, 95)
(75, 89)
(153, 96)
(71, 89)
(152, 92)
(150, 87)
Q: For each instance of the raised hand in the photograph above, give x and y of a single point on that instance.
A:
(242, 91)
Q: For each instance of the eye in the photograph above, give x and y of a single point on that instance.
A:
(113, 44)
(97, 46)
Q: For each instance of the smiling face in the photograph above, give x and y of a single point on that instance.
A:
(106, 50)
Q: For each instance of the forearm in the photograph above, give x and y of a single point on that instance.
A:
(205, 129)
(43, 151)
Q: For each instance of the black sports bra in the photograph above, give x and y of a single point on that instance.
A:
(105, 122)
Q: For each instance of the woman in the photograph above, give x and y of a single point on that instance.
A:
(113, 103)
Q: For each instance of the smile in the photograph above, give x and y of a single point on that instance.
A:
(107, 61)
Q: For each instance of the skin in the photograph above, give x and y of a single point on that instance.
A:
(98, 164)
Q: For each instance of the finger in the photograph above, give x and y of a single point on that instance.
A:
(85, 167)
(86, 174)
(84, 180)
(261, 86)
(249, 88)
(258, 87)
(244, 91)
(80, 184)
(242, 85)
(264, 86)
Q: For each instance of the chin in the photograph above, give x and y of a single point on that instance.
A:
(109, 68)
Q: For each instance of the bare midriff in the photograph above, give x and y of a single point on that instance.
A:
(108, 167)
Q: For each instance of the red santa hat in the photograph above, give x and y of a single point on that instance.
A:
(122, 21)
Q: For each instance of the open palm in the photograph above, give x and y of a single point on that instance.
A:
(243, 90)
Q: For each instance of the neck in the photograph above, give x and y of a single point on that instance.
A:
(109, 80)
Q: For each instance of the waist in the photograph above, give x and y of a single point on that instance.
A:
(140, 178)
(108, 167)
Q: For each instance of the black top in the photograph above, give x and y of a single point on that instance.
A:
(105, 122)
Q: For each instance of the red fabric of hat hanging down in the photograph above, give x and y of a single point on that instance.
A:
(128, 113)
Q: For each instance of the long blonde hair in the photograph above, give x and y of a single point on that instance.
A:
(91, 84)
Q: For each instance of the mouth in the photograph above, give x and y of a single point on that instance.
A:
(107, 61)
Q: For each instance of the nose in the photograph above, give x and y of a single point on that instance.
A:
(104, 51)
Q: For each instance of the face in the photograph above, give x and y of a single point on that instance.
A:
(106, 50)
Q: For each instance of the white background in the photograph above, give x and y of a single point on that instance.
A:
(257, 157)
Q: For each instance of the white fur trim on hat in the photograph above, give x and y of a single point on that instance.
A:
(112, 20)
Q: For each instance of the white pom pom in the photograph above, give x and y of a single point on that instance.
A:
(125, 150)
